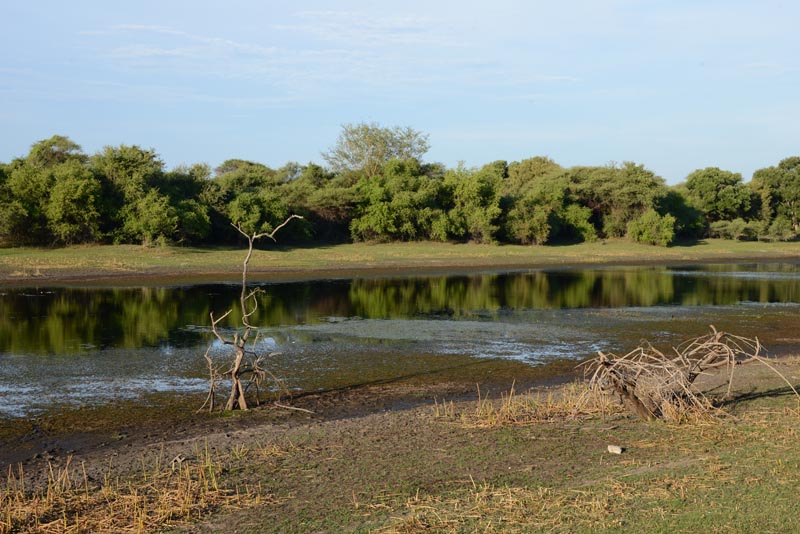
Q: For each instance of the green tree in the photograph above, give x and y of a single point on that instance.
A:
(54, 151)
(237, 176)
(577, 221)
(781, 229)
(151, 219)
(737, 229)
(12, 213)
(257, 212)
(131, 169)
(127, 175)
(615, 194)
(186, 187)
(536, 195)
(534, 192)
(29, 188)
(194, 223)
(72, 214)
(529, 222)
(183, 183)
(475, 210)
(367, 147)
(402, 203)
(689, 221)
(528, 174)
(320, 197)
(652, 228)
(28, 183)
(719, 194)
(779, 191)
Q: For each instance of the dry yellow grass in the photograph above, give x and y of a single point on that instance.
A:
(568, 402)
(164, 494)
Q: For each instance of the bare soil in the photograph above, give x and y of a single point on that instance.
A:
(121, 435)
(366, 451)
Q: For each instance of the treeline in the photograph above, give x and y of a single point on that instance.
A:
(376, 187)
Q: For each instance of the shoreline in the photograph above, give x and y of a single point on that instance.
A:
(132, 265)
(88, 427)
(392, 466)
(92, 432)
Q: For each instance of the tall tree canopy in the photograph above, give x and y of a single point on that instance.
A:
(721, 195)
(367, 147)
(779, 190)
(50, 152)
(376, 188)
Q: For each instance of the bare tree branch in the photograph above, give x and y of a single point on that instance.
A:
(245, 363)
(655, 386)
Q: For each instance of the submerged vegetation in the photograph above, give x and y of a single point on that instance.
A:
(377, 188)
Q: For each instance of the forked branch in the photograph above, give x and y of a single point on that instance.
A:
(245, 363)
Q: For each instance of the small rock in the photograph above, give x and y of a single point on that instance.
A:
(616, 449)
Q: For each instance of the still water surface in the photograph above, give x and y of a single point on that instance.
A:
(67, 346)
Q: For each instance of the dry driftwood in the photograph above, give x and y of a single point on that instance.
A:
(654, 385)
(246, 363)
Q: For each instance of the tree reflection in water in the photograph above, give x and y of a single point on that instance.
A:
(70, 320)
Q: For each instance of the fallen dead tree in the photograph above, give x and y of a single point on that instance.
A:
(654, 385)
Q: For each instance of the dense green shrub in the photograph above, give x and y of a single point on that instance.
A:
(652, 228)
(781, 229)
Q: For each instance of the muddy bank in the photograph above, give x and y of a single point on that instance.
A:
(120, 434)
(369, 458)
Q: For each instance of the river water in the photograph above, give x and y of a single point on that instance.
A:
(73, 346)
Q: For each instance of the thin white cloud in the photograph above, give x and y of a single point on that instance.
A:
(49, 88)
(215, 42)
(359, 29)
(98, 89)
(329, 54)
(767, 68)
(139, 51)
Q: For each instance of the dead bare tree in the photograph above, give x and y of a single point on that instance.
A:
(246, 363)
(654, 385)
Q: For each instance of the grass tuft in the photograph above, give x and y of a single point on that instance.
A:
(162, 495)
(568, 402)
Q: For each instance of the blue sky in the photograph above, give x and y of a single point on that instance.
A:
(675, 85)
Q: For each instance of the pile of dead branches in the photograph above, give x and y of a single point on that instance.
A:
(655, 385)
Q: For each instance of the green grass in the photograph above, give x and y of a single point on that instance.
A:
(131, 261)
(739, 474)
(732, 477)
(445, 473)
